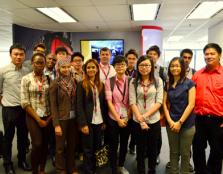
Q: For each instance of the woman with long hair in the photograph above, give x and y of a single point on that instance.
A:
(178, 104)
(62, 100)
(145, 98)
(91, 113)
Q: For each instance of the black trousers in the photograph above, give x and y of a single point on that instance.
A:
(117, 135)
(14, 117)
(208, 130)
(132, 142)
(146, 139)
(91, 143)
(159, 141)
(51, 140)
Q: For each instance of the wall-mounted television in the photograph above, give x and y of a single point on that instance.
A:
(91, 48)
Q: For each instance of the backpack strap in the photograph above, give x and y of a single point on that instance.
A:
(48, 79)
(112, 83)
(193, 71)
(161, 73)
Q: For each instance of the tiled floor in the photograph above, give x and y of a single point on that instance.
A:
(130, 163)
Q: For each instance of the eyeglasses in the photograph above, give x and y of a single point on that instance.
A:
(144, 66)
(120, 65)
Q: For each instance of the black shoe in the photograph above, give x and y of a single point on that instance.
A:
(9, 169)
(158, 160)
(24, 165)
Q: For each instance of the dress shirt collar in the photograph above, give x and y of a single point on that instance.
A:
(217, 69)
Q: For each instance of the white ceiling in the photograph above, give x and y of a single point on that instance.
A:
(104, 15)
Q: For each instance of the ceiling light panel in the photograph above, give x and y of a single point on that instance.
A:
(144, 12)
(206, 10)
(57, 14)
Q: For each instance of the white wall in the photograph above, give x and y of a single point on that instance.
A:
(215, 34)
(5, 43)
(182, 45)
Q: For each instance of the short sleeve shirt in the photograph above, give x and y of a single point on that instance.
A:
(178, 98)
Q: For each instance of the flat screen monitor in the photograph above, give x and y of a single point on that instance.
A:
(91, 48)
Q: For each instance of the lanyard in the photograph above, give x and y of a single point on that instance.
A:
(145, 91)
(94, 96)
(106, 75)
(40, 87)
(122, 92)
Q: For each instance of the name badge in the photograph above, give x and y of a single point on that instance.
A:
(40, 112)
(123, 113)
(72, 114)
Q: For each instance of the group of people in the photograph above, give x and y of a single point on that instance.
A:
(66, 104)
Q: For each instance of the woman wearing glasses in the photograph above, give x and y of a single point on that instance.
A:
(117, 95)
(145, 98)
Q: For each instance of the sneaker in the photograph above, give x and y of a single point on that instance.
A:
(123, 170)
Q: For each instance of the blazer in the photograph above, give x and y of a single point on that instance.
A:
(85, 105)
(60, 103)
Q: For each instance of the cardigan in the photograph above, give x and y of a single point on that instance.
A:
(60, 103)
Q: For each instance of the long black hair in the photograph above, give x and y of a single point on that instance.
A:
(183, 70)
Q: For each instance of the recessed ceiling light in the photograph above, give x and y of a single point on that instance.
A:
(57, 14)
(174, 38)
(206, 10)
(143, 12)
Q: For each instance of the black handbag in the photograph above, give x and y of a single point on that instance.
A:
(101, 156)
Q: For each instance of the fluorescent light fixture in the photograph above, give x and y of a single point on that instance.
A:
(206, 10)
(144, 12)
(174, 38)
(57, 14)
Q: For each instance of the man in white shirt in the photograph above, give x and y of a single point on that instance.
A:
(106, 70)
(13, 116)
